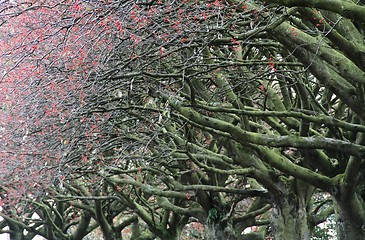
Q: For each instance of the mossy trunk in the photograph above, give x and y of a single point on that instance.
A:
(347, 230)
(289, 213)
(16, 231)
(290, 223)
(349, 222)
(218, 231)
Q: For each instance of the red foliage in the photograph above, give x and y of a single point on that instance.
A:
(48, 51)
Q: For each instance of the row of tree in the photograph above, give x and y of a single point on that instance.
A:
(182, 119)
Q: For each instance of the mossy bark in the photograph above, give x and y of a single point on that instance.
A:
(349, 223)
(290, 213)
(347, 230)
(290, 222)
(218, 231)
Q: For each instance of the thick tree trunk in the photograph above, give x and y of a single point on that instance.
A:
(218, 231)
(347, 230)
(290, 223)
(289, 214)
(349, 227)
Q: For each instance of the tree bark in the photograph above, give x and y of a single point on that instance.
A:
(349, 226)
(289, 214)
(290, 223)
(347, 230)
(218, 231)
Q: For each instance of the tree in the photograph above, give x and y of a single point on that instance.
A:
(232, 114)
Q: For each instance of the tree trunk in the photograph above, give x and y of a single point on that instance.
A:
(218, 231)
(16, 232)
(349, 227)
(347, 230)
(290, 223)
(289, 214)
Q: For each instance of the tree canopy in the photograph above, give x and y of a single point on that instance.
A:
(182, 119)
